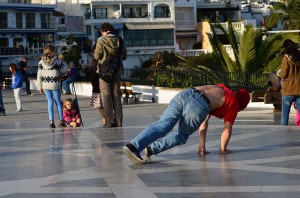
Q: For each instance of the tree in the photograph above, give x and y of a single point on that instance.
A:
(288, 12)
(73, 54)
(253, 50)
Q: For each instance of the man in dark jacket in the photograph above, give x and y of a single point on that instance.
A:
(73, 76)
(106, 45)
(23, 68)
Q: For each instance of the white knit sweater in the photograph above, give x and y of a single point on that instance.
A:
(49, 73)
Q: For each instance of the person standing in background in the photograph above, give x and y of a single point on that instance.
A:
(73, 76)
(290, 75)
(16, 85)
(96, 100)
(23, 69)
(110, 44)
(49, 82)
(2, 109)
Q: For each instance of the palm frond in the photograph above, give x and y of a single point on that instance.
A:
(219, 50)
(247, 49)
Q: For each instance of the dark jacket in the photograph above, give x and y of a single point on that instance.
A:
(108, 44)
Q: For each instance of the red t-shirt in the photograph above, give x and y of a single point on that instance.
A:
(229, 109)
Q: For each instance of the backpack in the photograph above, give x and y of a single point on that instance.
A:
(109, 68)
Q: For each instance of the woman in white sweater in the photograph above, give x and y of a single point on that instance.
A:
(49, 80)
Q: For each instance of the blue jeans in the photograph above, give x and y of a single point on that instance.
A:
(286, 107)
(66, 85)
(2, 110)
(189, 108)
(54, 95)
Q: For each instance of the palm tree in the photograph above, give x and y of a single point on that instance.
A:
(288, 12)
(253, 50)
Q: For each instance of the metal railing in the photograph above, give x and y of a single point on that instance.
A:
(45, 2)
(194, 52)
(151, 42)
(4, 24)
(140, 76)
(143, 77)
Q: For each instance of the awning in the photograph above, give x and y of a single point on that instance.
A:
(149, 26)
(74, 35)
(57, 13)
(34, 9)
(117, 26)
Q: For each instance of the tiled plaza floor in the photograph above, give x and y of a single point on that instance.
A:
(87, 162)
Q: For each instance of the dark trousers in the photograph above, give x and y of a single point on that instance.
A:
(111, 97)
(26, 81)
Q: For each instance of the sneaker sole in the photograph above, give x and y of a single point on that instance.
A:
(148, 158)
(132, 157)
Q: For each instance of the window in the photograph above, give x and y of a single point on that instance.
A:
(100, 13)
(88, 30)
(3, 42)
(19, 20)
(3, 20)
(149, 37)
(162, 12)
(30, 20)
(45, 21)
(62, 21)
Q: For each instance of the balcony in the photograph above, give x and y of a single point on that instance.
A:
(185, 24)
(217, 3)
(19, 51)
(189, 53)
(44, 2)
(149, 43)
(18, 25)
(238, 26)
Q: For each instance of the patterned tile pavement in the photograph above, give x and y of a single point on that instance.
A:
(87, 162)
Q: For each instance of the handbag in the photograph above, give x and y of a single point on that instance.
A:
(109, 68)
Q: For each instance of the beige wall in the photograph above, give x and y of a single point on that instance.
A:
(202, 28)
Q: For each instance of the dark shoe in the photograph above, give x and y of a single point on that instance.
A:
(148, 152)
(3, 114)
(52, 125)
(62, 124)
(131, 152)
(116, 125)
(107, 125)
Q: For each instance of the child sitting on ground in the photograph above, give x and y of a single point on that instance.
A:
(71, 116)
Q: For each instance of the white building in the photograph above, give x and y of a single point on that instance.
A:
(146, 26)
(25, 27)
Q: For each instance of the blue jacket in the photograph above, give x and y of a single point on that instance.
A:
(17, 81)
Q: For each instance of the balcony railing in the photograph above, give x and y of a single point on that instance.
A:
(28, 25)
(185, 23)
(116, 15)
(12, 51)
(162, 15)
(195, 52)
(149, 43)
(236, 25)
(46, 2)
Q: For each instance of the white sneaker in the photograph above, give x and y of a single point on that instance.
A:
(18, 110)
